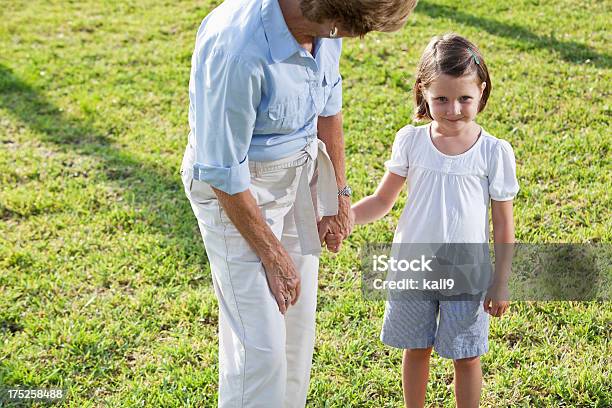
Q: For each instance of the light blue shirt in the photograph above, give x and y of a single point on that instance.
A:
(254, 93)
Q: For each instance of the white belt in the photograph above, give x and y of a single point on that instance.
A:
(304, 208)
(327, 197)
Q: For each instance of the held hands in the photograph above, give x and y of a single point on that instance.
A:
(334, 229)
(283, 279)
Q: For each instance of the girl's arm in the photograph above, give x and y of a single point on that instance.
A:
(497, 299)
(503, 238)
(377, 205)
(503, 222)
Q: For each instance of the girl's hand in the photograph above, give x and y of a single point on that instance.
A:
(496, 308)
(340, 224)
(496, 301)
(333, 241)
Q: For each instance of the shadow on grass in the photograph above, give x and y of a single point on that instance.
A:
(155, 188)
(569, 51)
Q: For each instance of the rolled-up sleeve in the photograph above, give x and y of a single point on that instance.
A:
(334, 102)
(227, 93)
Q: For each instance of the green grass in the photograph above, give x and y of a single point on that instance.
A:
(104, 284)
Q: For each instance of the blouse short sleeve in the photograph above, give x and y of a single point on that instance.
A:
(398, 164)
(503, 185)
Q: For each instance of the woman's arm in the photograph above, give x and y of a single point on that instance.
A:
(329, 129)
(283, 278)
(377, 205)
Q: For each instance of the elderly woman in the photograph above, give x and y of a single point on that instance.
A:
(264, 172)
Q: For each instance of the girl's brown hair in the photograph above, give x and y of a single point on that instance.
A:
(453, 55)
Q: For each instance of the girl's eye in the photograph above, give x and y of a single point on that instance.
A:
(465, 98)
(441, 99)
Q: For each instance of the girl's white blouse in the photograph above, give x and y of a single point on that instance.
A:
(448, 196)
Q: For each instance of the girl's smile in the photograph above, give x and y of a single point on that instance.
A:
(454, 101)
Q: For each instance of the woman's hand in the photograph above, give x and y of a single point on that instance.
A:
(339, 226)
(334, 241)
(283, 279)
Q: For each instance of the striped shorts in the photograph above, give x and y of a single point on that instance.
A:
(455, 328)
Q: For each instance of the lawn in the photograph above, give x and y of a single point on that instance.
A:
(105, 288)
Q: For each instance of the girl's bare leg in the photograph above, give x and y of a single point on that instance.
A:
(468, 382)
(415, 371)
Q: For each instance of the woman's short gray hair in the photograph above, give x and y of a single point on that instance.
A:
(360, 16)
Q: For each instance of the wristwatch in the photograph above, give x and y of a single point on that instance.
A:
(345, 191)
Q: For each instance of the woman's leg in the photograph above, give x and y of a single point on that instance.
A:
(252, 359)
(415, 371)
(300, 319)
(468, 382)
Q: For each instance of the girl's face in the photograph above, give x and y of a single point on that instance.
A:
(453, 102)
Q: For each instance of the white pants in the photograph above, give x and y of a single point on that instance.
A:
(264, 357)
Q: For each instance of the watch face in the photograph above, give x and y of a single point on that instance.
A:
(346, 191)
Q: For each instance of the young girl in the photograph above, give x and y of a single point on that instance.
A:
(453, 169)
